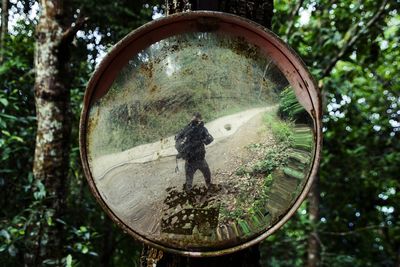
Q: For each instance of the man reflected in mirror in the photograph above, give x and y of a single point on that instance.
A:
(190, 143)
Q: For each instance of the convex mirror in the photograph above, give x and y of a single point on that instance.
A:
(200, 133)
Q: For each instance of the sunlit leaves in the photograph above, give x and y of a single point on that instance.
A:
(360, 163)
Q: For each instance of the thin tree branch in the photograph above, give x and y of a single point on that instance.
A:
(263, 77)
(69, 33)
(316, 237)
(346, 47)
(291, 18)
(370, 227)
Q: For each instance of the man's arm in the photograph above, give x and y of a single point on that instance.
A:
(207, 139)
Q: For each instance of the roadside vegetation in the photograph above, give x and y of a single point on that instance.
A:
(286, 153)
(257, 185)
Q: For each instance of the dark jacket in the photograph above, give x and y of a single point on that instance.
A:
(197, 136)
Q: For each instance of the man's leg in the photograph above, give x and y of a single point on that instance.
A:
(189, 170)
(203, 166)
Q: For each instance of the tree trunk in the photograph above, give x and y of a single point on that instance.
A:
(260, 11)
(4, 28)
(108, 244)
(51, 159)
(397, 264)
(176, 6)
(313, 251)
(245, 258)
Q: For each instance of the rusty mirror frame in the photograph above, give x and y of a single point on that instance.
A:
(205, 21)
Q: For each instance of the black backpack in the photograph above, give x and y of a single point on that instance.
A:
(182, 143)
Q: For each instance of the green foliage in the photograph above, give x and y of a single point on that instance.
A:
(273, 159)
(286, 155)
(291, 239)
(17, 137)
(90, 238)
(275, 155)
(359, 187)
(281, 129)
(260, 203)
(360, 162)
(289, 107)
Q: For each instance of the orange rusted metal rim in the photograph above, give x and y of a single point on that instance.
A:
(212, 62)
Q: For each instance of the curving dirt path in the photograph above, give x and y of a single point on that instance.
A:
(133, 183)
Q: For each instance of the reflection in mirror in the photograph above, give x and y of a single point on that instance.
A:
(200, 142)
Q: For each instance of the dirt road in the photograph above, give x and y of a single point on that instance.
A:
(133, 183)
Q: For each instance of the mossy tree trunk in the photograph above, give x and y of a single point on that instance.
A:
(260, 11)
(51, 159)
(4, 27)
(313, 250)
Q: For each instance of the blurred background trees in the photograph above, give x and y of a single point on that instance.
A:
(352, 49)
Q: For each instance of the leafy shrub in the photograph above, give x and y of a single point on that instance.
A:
(289, 107)
(281, 130)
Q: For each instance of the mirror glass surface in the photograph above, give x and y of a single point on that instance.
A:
(200, 142)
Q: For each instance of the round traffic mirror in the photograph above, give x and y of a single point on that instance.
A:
(200, 133)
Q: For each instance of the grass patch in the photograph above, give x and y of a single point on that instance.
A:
(303, 139)
(275, 155)
(289, 107)
(261, 202)
(289, 144)
(293, 173)
(282, 130)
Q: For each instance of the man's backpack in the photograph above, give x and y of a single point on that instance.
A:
(182, 143)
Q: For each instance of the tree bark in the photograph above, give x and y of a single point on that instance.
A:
(51, 159)
(398, 259)
(260, 11)
(4, 28)
(108, 244)
(313, 251)
(245, 258)
(176, 6)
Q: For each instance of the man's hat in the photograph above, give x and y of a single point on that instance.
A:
(196, 116)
